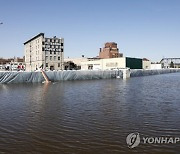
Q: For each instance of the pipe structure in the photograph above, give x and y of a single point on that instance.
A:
(45, 76)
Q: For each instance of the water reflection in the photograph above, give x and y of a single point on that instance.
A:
(93, 116)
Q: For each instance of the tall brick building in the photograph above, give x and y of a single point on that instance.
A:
(110, 51)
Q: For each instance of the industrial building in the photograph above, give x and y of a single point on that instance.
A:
(110, 50)
(112, 63)
(75, 63)
(45, 53)
(146, 63)
(170, 62)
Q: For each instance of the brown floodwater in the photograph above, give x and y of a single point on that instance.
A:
(90, 117)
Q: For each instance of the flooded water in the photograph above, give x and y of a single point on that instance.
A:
(90, 117)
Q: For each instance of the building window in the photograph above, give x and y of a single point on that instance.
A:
(43, 43)
(62, 50)
(50, 52)
(42, 48)
(46, 64)
(58, 58)
(90, 67)
(54, 57)
(54, 52)
(50, 57)
(46, 57)
(61, 44)
(58, 64)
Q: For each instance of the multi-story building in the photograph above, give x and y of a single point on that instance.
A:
(110, 51)
(43, 52)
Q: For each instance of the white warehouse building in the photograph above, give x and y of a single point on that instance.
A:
(112, 63)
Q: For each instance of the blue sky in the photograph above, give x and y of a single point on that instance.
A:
(142, 28)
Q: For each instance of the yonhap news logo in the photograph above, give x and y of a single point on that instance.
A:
(134, 139)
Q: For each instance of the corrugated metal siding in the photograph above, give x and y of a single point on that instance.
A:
(134, 63)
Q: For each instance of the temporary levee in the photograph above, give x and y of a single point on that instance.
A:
(54, 76)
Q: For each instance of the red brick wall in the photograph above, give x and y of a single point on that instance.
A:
(110, 51)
